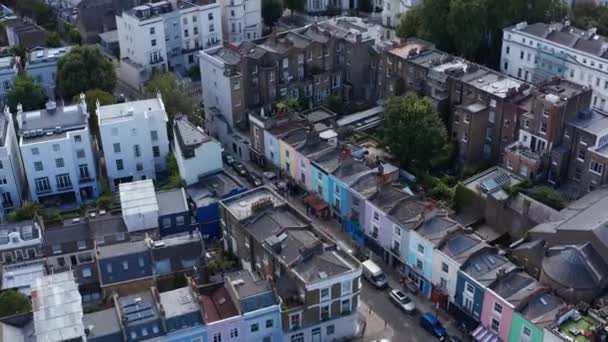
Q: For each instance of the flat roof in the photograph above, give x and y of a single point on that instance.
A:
(21, 276)
(138, 198)
(171, 202)
(102, 323)
(125, 248)
(57, 307)
(178, 302)
(44, 55)
(44, 122)
(126, 110)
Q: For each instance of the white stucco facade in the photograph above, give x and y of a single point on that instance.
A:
(196, 153)
(8, 73)
(392, 10)
(41, 66)
(536, 52)
(241, 20)
(165, 36)
(58, 154)
(12, 176)
(134, 139)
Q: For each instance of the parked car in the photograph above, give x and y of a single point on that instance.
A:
(254, 179)
(431, 324)
(373, 273)
(228, 159)
(454, 339)
(240, 169)
(404, 302)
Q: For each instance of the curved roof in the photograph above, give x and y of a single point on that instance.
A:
(572, 267)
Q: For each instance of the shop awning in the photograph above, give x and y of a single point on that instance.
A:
(483, 334)
(315, 202)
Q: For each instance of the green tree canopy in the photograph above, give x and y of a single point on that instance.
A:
(473, 28)
(37, 10)
(272, 10)
(25, 91)
(13, 302)
(27, 212)
(84, 68)
(53, 39)
(175, 99)
(92, 96)
(413, 130)
(588, 15)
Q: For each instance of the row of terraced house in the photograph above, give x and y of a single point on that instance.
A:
(547, 131)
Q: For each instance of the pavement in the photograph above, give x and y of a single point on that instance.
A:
(380, 318)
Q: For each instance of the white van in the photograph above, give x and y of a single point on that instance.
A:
(373, 273)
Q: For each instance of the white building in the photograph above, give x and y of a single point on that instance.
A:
(134, 139)
(139, 205)
(196, 153)
(165, 36)
(540, 51)
(392, 10)
(8, 73)
(241, 20)
(58, 154)
(12, 176)
(41, 66)
(316, 6)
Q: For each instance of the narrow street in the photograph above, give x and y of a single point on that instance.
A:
(385, 320)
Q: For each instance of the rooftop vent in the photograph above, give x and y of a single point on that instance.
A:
(51, 106)
(158, 244)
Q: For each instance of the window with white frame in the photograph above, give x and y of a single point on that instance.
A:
(495, 326)
(376, 216)
(325, 294)
(397, 230)
(419, 264)
(217, 337)
(420, 248)
(596, 167)
(295, 321)
(345, 306)
(469, 288)
(581, 154)
(347, 287)
(299, 337)
(375, 231)
(325, 312)
(444, 267)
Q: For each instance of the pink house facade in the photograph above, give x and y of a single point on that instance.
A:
(501, 298)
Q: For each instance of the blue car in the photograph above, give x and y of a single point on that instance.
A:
(431, 324)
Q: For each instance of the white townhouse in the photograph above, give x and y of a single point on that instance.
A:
(196, 153)
(165, 35)
(392, 10)
(8, 73)
(41, 65)
(134, 139)
(58, 154)
(12, 177)
(537, 52)
(241, 20)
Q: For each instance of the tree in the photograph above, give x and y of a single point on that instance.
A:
(588, 15)
(92, 96)
(27, 212)
(175, 99)
(25, 91)
(175, 179)
(53, 39)
(272, 10)
(75, 36)
(473, 28)
(413, 131)
(84, 68)
(294, 5)
(13, 302)
(37, 10)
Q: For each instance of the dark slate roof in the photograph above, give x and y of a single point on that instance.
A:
(67, 233)
(102, 323)
(459, 244)
(217, 304)
(178, 248)
(485, 265)
(110, 225)
(119, 249)
(171, 202)
(514, 286)
(541, 308)
(578, 267)
(188, 135)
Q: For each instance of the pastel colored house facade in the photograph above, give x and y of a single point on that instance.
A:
(500, 300)
(532, 315)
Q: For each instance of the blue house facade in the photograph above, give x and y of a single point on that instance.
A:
(205, 196)
(469, 295)
(420, 262)
(173, 214)
(124, 262)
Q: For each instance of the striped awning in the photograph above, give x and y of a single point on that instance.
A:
(482, 334)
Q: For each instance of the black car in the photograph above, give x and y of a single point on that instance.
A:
(255, 180)
(239, 168)
(228, 159)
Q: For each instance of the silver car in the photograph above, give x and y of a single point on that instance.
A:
(404, 302)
